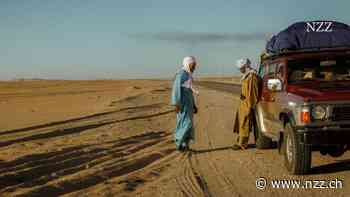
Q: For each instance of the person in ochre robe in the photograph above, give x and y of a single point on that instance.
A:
(248, 99)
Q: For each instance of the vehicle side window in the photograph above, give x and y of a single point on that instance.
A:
(261, 71)
(280, 72)
(271, 71)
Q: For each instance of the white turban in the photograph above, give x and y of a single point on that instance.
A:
(186, 66)
(187, 61)
(243, 62)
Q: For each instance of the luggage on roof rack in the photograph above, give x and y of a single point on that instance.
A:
(312, 35)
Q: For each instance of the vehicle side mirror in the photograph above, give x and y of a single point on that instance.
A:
(274, 85)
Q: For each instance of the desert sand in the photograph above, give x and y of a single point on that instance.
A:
(114, 138)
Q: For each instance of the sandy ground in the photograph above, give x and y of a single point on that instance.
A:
(114, 138)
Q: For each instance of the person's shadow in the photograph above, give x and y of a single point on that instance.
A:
(250, 146)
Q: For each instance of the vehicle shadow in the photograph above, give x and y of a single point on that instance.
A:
(339, 166)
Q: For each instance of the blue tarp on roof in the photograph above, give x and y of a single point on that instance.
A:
(310, 35)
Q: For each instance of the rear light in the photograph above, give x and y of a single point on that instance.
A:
(305, 115)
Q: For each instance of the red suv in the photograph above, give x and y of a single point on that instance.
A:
(304, 104)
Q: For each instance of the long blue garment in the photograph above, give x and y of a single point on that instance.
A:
(183, 97)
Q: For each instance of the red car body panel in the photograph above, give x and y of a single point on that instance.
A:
(311, 92)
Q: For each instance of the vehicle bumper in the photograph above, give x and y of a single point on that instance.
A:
(321, 136)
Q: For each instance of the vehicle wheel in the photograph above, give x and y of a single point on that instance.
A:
(337, 150)
(297, 156)
(261, 141)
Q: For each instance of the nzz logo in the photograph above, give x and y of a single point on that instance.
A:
(319, 26)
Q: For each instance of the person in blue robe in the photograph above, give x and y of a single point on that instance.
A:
(183, 99)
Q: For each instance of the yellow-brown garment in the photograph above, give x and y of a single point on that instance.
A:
(244, 119)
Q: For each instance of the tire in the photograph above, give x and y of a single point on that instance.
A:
(337, 150)
(261, 141)
(297, 156)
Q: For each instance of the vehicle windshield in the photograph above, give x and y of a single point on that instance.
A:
(318, 70)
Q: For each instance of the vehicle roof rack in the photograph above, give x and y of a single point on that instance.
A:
(285, 52)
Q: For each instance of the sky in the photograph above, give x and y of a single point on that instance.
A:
(113, 39)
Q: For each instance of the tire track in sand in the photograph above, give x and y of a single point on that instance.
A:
(190, 181)
(205, 159)
(190, 178)
(228, 183)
